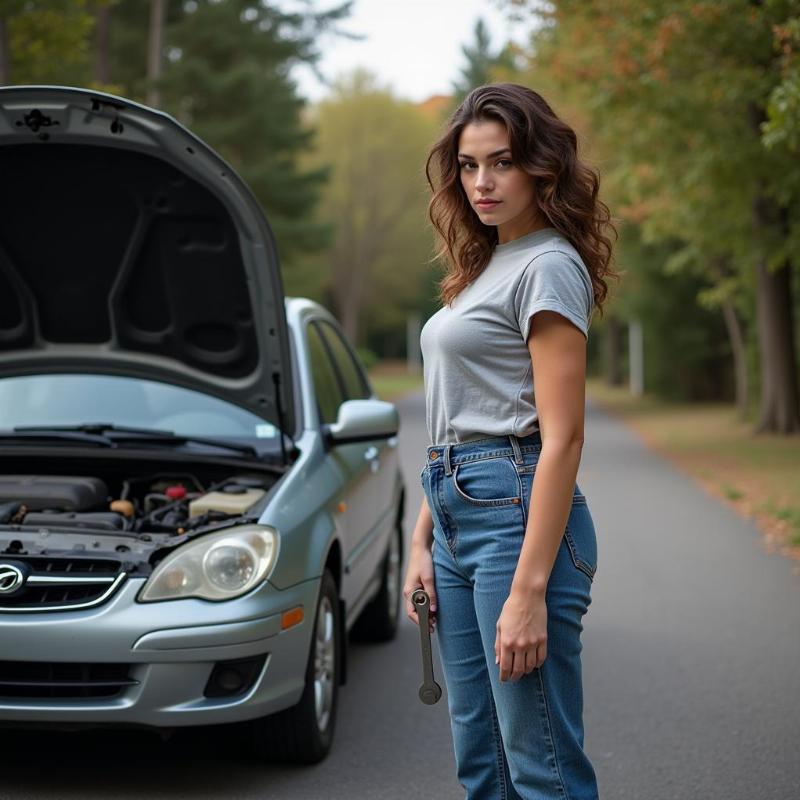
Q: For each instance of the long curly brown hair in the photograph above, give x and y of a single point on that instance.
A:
(545, 147)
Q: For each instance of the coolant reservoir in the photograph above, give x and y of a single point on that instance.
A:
(230, 502)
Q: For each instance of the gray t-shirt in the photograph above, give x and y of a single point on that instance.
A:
(476, 364)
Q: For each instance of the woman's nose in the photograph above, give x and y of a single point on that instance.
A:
(483, 180)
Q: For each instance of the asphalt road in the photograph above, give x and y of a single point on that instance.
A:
(691, 666)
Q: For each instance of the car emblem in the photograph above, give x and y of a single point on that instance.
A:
(11, 578)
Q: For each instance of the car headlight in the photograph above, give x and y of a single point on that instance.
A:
(219, 566)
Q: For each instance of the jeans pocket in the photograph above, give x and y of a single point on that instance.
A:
(581, 537)
(487, 482)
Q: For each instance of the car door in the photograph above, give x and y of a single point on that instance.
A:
(354, 506)
(381, 454)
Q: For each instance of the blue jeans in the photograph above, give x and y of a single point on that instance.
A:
(515, 739)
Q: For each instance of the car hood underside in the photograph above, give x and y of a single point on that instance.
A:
(127, 246)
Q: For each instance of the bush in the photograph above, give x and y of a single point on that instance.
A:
(368, 357)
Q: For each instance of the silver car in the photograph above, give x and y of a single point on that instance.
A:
(200, 494)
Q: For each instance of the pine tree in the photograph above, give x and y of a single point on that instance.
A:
(227, 77)
(482, 63)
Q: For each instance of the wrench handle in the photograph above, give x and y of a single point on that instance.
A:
(430, 691)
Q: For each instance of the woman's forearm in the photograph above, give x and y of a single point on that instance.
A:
(423, 529)
(549, 509)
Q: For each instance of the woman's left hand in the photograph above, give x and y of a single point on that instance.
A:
(521, 642)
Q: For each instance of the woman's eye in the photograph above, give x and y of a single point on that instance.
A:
(504, 162)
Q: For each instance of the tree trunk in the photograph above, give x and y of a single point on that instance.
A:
(350, 304)
(778, 412)
(733, 325)
(5, 55)
(102, 68)
(155, 46)
(778, 406)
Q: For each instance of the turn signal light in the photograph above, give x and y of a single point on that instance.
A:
(292, 617)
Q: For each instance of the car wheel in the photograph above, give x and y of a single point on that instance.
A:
(303, 734)
(378, 622)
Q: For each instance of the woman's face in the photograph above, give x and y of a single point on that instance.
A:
(489, 174)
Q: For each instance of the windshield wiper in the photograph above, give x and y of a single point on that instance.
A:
(111, 435)
(23, 435)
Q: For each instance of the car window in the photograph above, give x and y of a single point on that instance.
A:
(355, 383)
(326, 385)
(79, 399)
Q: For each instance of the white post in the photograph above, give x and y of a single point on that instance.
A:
(636, 358)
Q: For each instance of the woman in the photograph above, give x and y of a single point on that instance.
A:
(508, 561)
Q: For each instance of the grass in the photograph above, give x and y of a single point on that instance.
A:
(391, 380)
(757, 474)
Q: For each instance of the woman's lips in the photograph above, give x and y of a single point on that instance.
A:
(487, 203)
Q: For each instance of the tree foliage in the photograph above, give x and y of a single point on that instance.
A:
(375, 200)
(482, 64)
(228, 78)
(48, 41)
(783, 110)
(692, 104)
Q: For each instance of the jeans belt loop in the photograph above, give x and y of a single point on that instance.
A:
(448, 469)
(517, 449)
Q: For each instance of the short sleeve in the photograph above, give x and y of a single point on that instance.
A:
(554, 281)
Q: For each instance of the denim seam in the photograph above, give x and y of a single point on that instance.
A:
(551, 741)
(522, 502)
(451, 543)
(498, 741)
(576, 559)
(582, 565)
(468, 459)
(503, 452)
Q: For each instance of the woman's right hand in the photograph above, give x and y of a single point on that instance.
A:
(420, 574)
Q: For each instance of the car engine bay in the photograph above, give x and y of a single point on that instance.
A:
(135, 517)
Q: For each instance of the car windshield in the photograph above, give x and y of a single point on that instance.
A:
(44, 400)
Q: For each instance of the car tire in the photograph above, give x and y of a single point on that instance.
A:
(378, 622)
(303, 733)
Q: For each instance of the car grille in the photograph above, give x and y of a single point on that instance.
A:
(34, 679)
(56, 584)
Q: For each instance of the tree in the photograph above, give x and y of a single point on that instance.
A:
(482, 64)
(102, 67)
(375, 200)
(228, 79)
(5, 56)
(155, 50)
(677, 91)
(45, 41)
(783, 109)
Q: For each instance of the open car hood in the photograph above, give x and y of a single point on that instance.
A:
(129, 247)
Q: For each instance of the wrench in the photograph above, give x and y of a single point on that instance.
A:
(430, 691)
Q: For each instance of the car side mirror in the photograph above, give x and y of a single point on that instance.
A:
(361, 421)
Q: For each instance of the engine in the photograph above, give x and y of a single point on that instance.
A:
(171, 503)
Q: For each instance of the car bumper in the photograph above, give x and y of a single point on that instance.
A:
(171, 649)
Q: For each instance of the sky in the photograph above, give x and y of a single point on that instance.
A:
(412, 45)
